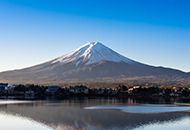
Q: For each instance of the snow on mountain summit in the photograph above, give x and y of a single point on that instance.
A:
(92, 52)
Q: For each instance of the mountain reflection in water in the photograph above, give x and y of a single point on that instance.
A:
(70, 115)
(16, 122)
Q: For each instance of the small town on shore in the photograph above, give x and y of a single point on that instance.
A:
(31, 91)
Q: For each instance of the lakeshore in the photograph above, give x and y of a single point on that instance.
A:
(31, 91)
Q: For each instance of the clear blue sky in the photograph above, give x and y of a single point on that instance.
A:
(155, 32)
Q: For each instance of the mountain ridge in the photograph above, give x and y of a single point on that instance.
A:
(92, 61)
(92, 52)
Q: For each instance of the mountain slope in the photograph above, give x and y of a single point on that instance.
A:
(92, 52)
(93, 61)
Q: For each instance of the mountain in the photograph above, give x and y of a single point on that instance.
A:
(91, 62)
(90, 53)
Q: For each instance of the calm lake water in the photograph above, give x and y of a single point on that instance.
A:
(94, 114)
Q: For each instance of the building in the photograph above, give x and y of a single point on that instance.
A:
(79, 90)
(52, 90)
(3, 87)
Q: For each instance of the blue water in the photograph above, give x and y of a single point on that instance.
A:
(143, 108)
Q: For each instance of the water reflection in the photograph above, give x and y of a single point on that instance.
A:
(70, 115)
(142, 108)
(16, 122)
(182, 124)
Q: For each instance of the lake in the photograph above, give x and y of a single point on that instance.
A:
(94, 114)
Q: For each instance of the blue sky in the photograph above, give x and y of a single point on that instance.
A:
(155, 32)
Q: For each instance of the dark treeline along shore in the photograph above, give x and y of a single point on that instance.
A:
(32, 91)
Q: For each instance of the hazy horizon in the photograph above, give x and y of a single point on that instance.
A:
(151, 32)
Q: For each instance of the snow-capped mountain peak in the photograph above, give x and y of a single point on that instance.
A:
(92, 52)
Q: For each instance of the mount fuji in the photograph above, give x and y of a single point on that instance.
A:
(92, 53)
(93, 61)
